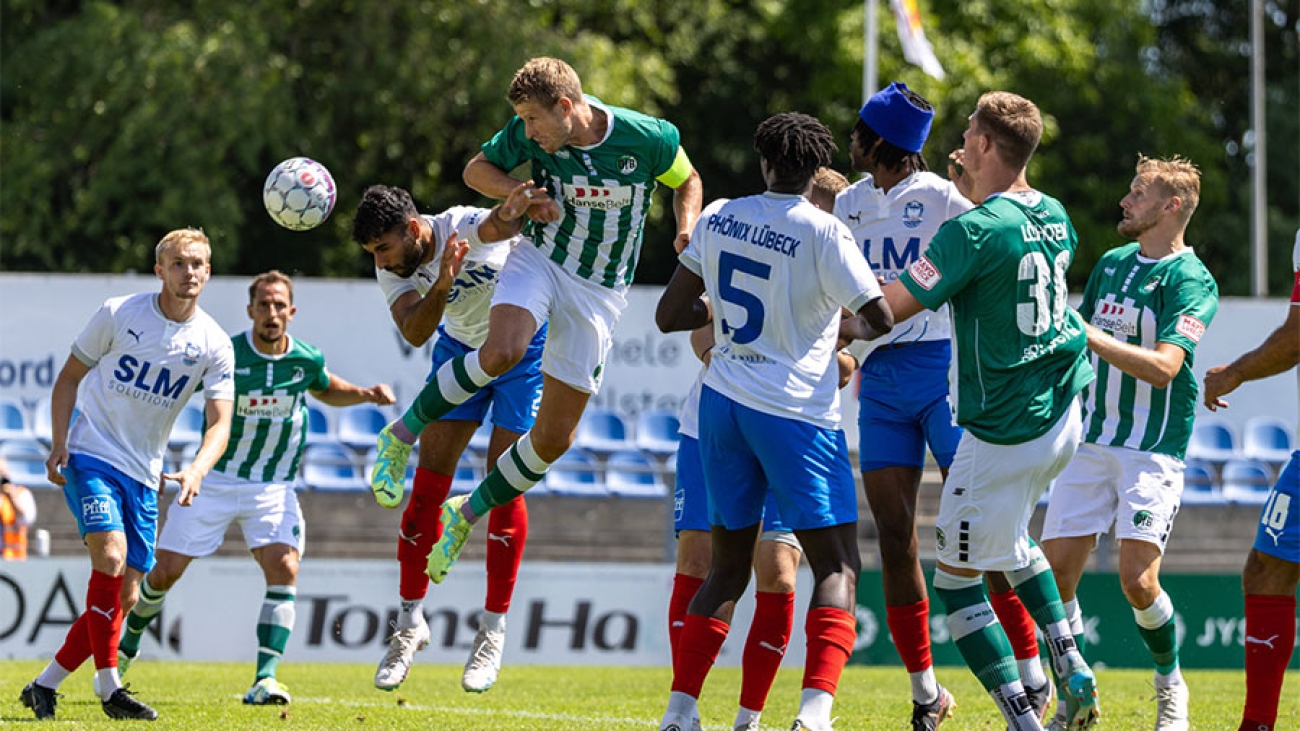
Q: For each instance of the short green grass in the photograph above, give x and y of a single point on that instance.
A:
(340, 696)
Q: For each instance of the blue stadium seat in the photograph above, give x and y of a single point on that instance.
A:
(656, 432)
(188, 428)
(1267, 438)
(330, 466)
(576, 473)
(1212, 440)
(14, 422)
(359, 425)
(319, 426)
(632, 474)
(1199, 485)
(1246, 481)
(602, 431)
(26, 458)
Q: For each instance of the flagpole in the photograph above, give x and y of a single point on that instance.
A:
(870, 34)
(1259, 187)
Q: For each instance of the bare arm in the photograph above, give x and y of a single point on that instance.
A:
(493, 182)
(687, 200)
(342, 392)
(1156, 366)
(507, 217)
(418, 317)
(1279, 352)
(216, 415)
(62, 401)
(681, 307)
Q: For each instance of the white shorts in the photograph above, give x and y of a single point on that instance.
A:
(267, 512)
(1137, 491)
(582, 314)
(990, 493)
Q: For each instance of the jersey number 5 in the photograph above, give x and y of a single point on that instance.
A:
(728, 265)
(1047, 289)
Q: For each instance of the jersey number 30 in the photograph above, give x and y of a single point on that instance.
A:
(728, 265)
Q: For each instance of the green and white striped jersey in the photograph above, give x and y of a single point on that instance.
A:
(1020, 347)
(269, 428)
(604, 190)
(1142, 302)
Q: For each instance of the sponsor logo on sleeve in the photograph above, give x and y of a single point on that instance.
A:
(1190, 327)
(925, 273)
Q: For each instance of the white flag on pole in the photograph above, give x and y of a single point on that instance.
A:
(916, 48)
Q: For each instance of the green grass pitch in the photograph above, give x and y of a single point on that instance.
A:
(340, 696)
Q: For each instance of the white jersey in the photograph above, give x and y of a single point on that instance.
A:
(143, 370)
(470, 298)
(894, 229)
(777, 270)
(688, 418)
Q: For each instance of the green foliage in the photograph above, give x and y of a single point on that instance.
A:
(340, 696)
(122, 120)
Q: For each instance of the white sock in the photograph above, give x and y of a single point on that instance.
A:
(1170, 680)
(925, 688)
(680, 704)
(815, 708)
(411, 609)
(52, 676)
(108, 682)
(1031, 672)
(745, 716)
(492, 621)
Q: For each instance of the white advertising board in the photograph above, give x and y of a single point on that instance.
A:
(561, 613)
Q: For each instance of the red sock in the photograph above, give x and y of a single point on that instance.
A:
(909, 625)
(765, 646)
(1015, 619)
(507, 533)
(76, 645)
(1270, 620)
(831, 633)
(684, 588)
(419, 531)
(702, 638)
(104, 618)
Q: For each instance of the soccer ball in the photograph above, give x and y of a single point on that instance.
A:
(299, 194)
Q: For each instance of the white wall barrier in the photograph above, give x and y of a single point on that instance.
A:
(561, 614)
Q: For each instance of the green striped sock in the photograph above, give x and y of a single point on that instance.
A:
(979, 636)
(274, 625)
(146, 608)
(515, 473)
(453, 384)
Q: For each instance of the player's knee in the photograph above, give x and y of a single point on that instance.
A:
(497, 357)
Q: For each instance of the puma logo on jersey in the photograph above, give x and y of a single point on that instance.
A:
(502, 539)
(855, 217)
(134, 334)
(1256, 641)
(108, 613)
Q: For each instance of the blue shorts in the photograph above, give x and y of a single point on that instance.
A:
(102, 499)
(903, 406)
(514, 397)
(748, 454)
(1278, 533)
(691, 501)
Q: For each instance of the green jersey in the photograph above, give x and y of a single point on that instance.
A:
(1142, 302)
(1020, 348)
(603, 190)
(269, 428)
